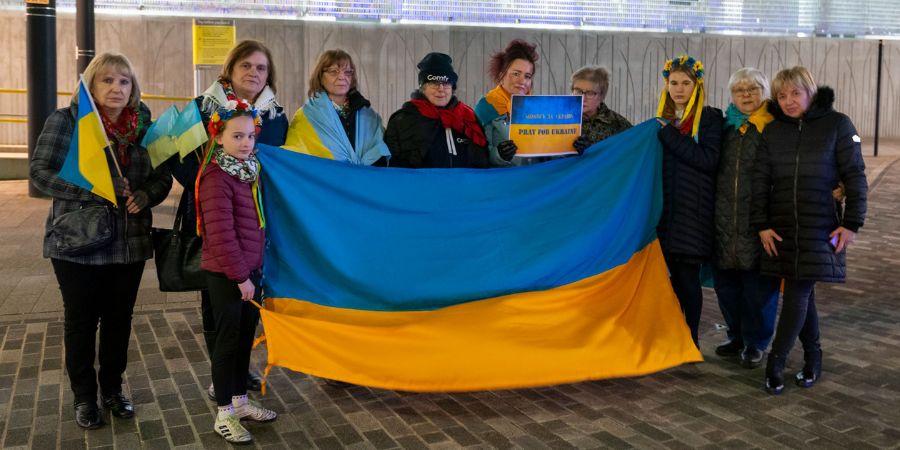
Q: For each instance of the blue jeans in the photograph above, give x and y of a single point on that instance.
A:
(749, 302)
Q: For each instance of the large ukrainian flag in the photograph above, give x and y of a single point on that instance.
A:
(449, 280)
(85, 164)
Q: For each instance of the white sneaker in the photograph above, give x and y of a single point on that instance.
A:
(254, 412)
(229, 427)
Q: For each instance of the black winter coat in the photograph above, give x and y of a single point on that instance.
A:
(800, 162)
(417, 142)
(737, 243)
(685, 229)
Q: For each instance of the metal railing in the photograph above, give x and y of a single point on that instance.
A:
(22, 118)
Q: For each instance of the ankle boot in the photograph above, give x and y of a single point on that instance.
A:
(774, 373)
(812, 369)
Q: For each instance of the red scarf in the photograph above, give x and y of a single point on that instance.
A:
(459, 118)
(122, 133)
(686, 126)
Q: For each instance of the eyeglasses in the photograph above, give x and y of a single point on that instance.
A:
(586, 94)
(334, 72)
(745, 91)
(439, 85)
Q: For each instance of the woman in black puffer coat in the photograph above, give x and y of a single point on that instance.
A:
(807, 150)
(691, 136)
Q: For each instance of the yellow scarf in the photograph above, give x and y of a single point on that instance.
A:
(499, 99)
(760, 118)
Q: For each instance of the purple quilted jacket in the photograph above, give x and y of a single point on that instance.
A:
(232, 239)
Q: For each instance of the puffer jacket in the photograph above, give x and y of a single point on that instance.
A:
(232, 238)
(686, 226)
(800, 163)
(737, 243)
(132, 239)
(417, 142)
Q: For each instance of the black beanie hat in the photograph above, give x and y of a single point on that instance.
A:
(437, 67)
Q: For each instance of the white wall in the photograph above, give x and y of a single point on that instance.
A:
(386, 56)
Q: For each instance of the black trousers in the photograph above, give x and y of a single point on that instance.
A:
(93, 295)
(685, 279)
(799, 318)
(235, 324)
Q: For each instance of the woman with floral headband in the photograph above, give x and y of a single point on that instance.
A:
(230, 221)
(690, 134)
(248, 74)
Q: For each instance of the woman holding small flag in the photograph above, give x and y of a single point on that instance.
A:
(691, 135)
(248, 74)
(98, 250)
(434, 129)
(336, 121)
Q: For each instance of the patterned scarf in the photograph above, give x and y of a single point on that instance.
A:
(459, 118)
(246, 170)
(123, 132)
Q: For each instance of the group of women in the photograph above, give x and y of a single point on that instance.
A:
(772, 190)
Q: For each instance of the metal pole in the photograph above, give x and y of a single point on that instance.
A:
(84, 34)
(878, 93)
(40, 52)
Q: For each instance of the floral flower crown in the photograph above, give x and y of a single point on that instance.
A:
(225, 112)
(690, 64)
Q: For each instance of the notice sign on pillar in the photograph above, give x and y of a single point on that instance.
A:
(213, 38)
(545, 125)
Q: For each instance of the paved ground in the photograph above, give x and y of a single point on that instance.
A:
(713, 404)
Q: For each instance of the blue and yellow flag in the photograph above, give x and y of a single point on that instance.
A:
(85, 164)
(175, 132)
(458, 279)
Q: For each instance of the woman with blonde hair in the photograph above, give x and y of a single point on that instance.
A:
(808, 150)
(99, 285)
(690, 136)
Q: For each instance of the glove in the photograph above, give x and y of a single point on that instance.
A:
(138, 201)
(120, 186)
(507, 149)
(581, 144)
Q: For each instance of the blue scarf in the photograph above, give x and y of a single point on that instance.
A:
(369, 132)
(734, 117)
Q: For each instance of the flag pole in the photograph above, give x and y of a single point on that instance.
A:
(105, 138)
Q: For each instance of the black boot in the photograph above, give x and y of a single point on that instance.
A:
(774, 373)
(812, 369)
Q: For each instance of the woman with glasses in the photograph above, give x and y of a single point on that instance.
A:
(337, 121)
(747, 299)
(598, 122)
(434, 129)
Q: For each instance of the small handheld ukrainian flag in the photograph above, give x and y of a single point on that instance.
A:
(86, 164)
(175, 132)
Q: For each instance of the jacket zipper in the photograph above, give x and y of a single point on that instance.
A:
(796, 214)
(737, 175)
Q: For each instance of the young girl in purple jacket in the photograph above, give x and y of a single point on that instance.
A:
(233, 238)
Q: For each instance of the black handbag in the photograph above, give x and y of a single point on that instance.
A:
(178, 254)
(83, 230)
